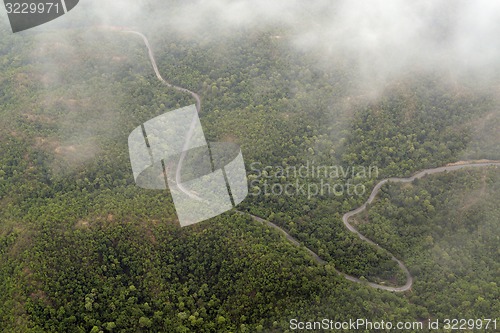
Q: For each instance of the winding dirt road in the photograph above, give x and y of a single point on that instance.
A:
(376, 190)
(194, 121)
(345, 217)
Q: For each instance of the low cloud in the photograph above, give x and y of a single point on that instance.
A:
(382, 38)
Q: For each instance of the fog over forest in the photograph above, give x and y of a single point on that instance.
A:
(401, 87)
(383, 37)
(382, 42)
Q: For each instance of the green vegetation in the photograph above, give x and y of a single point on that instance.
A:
(82, 249)
(445, 227)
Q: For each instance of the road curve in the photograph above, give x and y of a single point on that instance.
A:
(194, 121)
(345, 218)
(376, 190)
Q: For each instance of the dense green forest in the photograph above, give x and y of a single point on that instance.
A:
(445, 227)
(82, 249)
